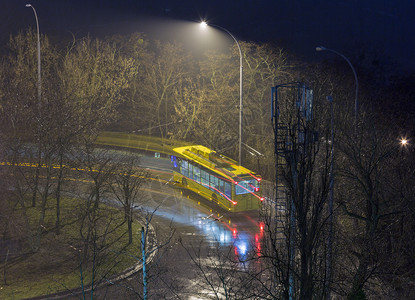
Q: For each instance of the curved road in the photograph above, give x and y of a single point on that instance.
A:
(199, 229)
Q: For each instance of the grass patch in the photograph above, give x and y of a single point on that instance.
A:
(55, 266)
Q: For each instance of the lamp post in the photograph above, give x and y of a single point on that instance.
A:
(39, 97)
(330, 206)
(356, 102)
(39, 82)
(204, 25)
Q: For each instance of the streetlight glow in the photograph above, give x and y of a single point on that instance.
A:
(404, 142)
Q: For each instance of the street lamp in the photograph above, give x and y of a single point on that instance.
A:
(204, 26)
(356, 103)
(39, 82)
(404, 142)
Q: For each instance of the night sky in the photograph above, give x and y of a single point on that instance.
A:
(384, 28)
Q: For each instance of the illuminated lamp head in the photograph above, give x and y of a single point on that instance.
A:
(404, 142)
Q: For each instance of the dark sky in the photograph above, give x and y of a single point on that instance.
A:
(385, 28)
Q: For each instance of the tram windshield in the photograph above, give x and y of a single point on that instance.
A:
(247, 186)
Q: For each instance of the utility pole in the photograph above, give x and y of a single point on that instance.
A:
(143, 252)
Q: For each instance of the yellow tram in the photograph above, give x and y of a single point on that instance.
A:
(217, 178)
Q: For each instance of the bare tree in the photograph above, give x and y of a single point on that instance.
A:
(126, 187)
(365, 166)
(296, 220)
(165, 67)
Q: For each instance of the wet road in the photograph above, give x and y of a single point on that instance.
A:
(199, 230)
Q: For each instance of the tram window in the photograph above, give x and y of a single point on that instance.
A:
(209, 180)
(214, 182)
(174, 161)
(204, 177)
(184, 168)
(191, 171)
(196, 173)
(246, 186)
(228, 191)
(221, 185)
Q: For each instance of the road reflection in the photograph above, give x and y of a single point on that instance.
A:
(239, 234)
(240, 231)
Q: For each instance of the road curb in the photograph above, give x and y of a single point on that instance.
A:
(151, 243)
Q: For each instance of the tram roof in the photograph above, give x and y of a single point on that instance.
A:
(216, 162)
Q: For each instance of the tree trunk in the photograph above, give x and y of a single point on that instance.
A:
(36, 183)
(130, 229)
(359, 279)
(58, 195)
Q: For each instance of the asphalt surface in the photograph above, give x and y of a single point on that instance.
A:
(182, 227)
(186, 226)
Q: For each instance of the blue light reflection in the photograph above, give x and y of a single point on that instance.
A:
(217, 233)
(220, 234)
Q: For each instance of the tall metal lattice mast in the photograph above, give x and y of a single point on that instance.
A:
(292, 110)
